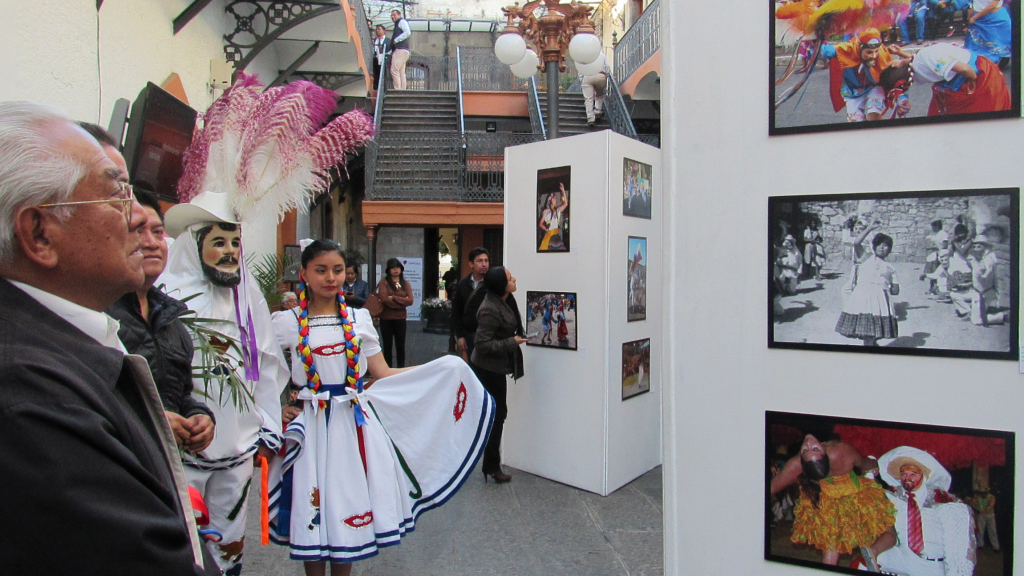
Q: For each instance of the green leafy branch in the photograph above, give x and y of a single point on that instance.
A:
(268, 271)
(218, 360)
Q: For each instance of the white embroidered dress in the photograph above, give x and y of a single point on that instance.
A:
(341, 493)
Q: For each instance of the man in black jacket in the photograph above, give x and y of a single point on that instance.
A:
(92, 479)
(469, 293)
(151, 328)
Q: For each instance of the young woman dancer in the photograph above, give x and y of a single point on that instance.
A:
(361, 464)
(867, 314)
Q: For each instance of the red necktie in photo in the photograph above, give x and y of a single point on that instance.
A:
(915, 537)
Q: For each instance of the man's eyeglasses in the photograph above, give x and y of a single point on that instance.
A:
(126, 198)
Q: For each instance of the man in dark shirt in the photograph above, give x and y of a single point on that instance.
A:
(356, 289)
(151, 328)
(88, 460)
(468, 295)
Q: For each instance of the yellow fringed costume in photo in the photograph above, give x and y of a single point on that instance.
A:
(853, 512)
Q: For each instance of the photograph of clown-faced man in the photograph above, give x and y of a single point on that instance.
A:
(840, 65)
(850, 495)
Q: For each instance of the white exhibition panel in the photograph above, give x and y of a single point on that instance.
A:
(720, 167)
(567, 421)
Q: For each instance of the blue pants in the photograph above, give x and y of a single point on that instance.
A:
(920, 14)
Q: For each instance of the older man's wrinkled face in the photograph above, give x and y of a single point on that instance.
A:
(96, 250)
(910, 477)
(219, 250)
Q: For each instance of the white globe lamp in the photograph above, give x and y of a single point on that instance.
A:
(593, 68)
(584, 48)
(510, 48)
(527, 66)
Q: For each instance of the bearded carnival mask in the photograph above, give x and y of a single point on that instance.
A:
(219, 252)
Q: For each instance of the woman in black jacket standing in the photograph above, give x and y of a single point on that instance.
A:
(499, 334)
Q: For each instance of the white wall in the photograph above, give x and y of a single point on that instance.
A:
(567, 420)
(50, 49)
(51, 54)
(720, 167)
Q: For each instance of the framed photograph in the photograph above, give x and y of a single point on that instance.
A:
(922, 273)
(292, 263)
(636, 280)
(553, 209)
(636, 368)
(897, 496)
(551, 319)
(636, 189)
(890, 63)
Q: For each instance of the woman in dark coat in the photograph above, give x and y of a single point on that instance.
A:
(498, 336)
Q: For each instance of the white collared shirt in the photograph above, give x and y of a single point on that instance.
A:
(97, 325)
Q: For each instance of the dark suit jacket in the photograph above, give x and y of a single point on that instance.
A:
(86, 486)
(498, 324)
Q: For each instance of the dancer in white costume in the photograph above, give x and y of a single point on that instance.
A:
(360, 465)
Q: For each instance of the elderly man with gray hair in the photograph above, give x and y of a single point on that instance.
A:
(92, 478)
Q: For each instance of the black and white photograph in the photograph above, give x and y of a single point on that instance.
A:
(919, 273)
(851, 65)
(636, 368)
(858, 496)
(636, 189)
(553, 209)
(551, 319)
(636, 280)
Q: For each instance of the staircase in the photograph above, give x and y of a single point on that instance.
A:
(420, 111)
(420, 144)
(572, 114)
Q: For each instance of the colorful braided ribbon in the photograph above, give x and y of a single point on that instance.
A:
(352, 376)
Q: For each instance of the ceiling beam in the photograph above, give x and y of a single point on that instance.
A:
(189, 13)
(283, 76)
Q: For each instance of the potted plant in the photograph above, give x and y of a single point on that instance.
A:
(437, 313)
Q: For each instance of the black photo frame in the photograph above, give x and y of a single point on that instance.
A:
(936, 311)
(978, 462)
(543, 311)
(553, 203)
(637, 188)
(802, 99)
(636, 368)
(636, 279)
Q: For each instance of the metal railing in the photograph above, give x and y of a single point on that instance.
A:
(615, 108)
(439, 166)
(639, 43)
(484, 72)
(432, 73)
(365, 39)
(462, 112)
(533, 103)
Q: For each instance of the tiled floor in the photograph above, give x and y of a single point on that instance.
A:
(528, 527)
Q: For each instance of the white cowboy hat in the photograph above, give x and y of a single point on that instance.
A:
(935, 475)
(983, 239)
(206, 207)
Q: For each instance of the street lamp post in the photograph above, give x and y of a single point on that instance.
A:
(550, 28)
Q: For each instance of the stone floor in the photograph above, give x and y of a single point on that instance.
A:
(528, 527)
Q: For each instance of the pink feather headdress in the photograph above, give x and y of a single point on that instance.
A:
(267, 149)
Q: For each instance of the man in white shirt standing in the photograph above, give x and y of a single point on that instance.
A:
(88, 460)
(935, 530)
(401, 50)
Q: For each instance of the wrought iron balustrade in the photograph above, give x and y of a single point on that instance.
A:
(366, 37)
(439, 166)
(639, 43)
(615, 109)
